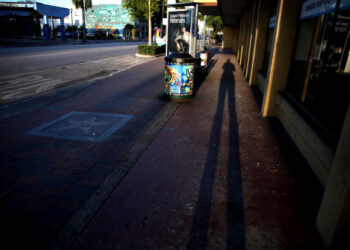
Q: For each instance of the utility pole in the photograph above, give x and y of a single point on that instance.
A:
(84, 35)
(161, 20)
(52, 28)
(71, 17)
(204, 31)
(149, 24)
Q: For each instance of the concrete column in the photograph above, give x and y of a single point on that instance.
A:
(240, 37)
(244, 36)
(46, 28)
(46, 19)
(228, 37)
(235, 42)
(239, 40)
(259, 44)
(234, 38)
(288, 14)
(63, 35)
(333, 219)
(251, 36)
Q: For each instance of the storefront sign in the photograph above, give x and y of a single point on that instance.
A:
(344, 4)
(14, 5)
(313, 8)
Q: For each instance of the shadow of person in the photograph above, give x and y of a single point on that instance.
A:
(235, 232)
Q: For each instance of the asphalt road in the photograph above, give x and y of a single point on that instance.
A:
(31, 71)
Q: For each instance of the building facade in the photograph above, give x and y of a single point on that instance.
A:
(296, 54)
(35, 19)
(109, 18)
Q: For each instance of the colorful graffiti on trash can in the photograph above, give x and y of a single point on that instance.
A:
(179, 80)
(105, 17)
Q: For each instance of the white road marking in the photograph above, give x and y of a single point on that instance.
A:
(23, 85)
(14, 87)
(12, 95)
(79, 51)
(43, 83)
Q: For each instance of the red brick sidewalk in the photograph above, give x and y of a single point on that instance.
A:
(215, 177)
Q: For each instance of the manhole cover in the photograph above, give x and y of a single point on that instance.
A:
(84, 126)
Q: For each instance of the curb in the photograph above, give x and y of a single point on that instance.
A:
(149, 56)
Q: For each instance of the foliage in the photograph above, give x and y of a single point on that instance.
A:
(139, 8)
(150, 49)
(215, 22)
(200, 16)
(80, 3)
(213, 35)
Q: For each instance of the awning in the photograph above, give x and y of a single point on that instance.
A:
(43, 9)
(229, 10)
(51, 11)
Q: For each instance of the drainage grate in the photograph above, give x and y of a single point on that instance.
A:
(83, 126)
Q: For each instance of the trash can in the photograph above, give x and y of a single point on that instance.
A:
(179, 75)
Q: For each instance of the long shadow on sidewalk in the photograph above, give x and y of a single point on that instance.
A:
(235, 232)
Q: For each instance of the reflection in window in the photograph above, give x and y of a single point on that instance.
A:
(320, 71)
(265, 67)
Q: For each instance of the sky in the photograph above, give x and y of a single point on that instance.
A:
(67, 3)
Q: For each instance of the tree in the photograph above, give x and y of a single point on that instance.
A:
(149, 24)
(143, 10)
(215, 22)
(84, 5)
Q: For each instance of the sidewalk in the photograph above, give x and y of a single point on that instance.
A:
(207, 174)
(214, 178)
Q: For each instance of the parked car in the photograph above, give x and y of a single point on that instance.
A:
(93, 34)
(69, 34)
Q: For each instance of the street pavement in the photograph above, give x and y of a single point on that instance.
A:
(115, 165)
(45, 179)
(31, 71)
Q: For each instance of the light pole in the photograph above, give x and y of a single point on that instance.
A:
(149, 24)
(71, 17)
(204, 31)
(84, 35)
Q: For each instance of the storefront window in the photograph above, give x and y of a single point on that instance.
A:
(270, 33)
(267, 52)
(302, 60)
(320, 71)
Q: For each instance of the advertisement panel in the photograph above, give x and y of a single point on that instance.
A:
(179, 31)
(179, 79)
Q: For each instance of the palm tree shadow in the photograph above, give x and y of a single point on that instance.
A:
(235, 232)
